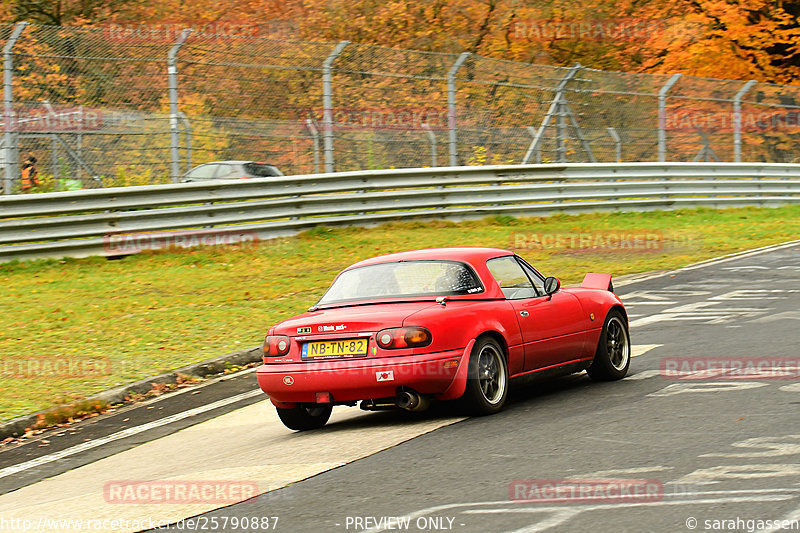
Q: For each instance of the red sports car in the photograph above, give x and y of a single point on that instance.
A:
(402, 329)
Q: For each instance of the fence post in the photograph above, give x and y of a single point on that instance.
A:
(556, 107)
(9, 146)
(174, 130)
(562, 111)
(327, 104)
(451, 108)
(187, 129)
(662, 116)
(737, 120)
(612, 132)
(312, 129)
(432, 141)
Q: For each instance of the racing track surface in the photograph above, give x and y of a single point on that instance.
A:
(717, 447)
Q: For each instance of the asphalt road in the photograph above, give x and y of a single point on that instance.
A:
(706, 445)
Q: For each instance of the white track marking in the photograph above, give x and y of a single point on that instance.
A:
(644, 374)
(638, 350)
(617, 473)
(710, 262)
(733, 496)
(15, 469)
(794, 516)
(706, 387)
(786, 315)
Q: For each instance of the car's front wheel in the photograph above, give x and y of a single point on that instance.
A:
(302, 417)
(487, 378)
(613, 356)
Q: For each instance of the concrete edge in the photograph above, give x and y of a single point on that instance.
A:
(17, 426)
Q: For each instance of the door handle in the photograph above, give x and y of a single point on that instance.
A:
(523, 313)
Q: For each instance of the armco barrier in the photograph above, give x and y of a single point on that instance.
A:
(89, 222)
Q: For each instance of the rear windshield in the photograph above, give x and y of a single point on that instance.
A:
(262, 170)
(404, 278)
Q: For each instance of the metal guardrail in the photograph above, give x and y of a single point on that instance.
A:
(95, 222)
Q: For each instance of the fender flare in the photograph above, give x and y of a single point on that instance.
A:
(459, 384)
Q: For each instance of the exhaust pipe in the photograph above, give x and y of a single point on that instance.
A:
(412, 401)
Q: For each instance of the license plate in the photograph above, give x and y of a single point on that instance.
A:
(340, 348)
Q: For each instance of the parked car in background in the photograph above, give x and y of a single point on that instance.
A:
(231, 170)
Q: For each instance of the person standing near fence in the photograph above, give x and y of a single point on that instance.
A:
(29, 176)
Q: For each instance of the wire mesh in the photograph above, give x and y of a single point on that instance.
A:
(93, 106)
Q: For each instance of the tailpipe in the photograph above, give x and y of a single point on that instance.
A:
(412, 401)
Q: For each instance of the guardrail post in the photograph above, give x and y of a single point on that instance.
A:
(451, 108)
(662, 116)
(9, 144)
(737, 120)
(327, 104)
(174, 130)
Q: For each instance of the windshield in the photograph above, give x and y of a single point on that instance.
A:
(405, 278)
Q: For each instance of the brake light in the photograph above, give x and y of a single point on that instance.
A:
(396, 338)
(276, 345)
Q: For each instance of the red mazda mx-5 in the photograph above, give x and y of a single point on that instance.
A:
(402, 329)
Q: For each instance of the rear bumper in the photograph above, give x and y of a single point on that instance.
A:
(351, 380)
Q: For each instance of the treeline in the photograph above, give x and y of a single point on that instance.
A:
(747, 39)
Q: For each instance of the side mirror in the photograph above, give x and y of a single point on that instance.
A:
(551, 285)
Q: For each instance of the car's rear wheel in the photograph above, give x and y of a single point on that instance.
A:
(613, 356)
(487, 378)
(302, 418)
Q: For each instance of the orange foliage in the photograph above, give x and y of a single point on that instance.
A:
(748, 39)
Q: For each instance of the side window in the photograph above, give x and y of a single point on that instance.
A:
(512, 279)
(223, 171)
(538, 280)
(203, 172)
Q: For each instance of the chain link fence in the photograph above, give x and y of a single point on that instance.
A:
(112, 106)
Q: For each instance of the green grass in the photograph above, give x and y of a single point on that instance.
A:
(153, 312)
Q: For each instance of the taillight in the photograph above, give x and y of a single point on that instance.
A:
(276, 345)
(397, 338)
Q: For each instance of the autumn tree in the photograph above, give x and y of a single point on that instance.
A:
(750, 39)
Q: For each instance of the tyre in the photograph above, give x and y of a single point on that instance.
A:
(487, 378)
(613, 356)
(302, 418)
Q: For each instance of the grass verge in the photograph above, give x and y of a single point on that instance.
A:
(73, 327)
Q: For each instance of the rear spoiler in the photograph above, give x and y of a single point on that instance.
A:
(594, 280)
